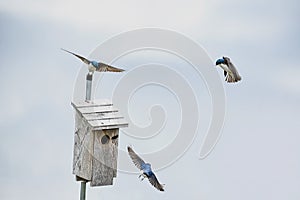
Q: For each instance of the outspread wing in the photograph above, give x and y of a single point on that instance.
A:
(102, 67)
(236, 77)
(86, 61)
(135, 158)
(153, 180)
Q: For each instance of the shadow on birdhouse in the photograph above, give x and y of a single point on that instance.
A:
(96, 141)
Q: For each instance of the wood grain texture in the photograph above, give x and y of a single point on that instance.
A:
(83, 149)
(106, 123)
(105, 158)
(97, 109)
(100, 116)
(96, 141)
(96, 102)
(104, 115)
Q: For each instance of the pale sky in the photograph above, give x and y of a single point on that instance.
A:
(258, 154)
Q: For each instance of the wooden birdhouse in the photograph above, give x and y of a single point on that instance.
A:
(97, 126)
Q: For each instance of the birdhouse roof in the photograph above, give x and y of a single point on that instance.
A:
(100, 114)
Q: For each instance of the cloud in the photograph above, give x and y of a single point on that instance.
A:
(101, 15)
(287, 79)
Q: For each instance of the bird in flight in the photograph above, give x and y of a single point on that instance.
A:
(146, 168)
(230, 72)
(96, 66)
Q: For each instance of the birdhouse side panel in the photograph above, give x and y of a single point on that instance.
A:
(105, 157)
(115, 144)
(83, 149)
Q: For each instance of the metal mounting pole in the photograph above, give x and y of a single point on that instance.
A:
(88, 90)
(88, 95)
(82, 190)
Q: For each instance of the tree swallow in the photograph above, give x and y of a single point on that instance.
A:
(230, 72)
(96, 66)
(146, 168)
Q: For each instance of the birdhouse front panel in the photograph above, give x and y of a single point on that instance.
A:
(105, 157)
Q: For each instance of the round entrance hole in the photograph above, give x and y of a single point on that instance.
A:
(105, 139)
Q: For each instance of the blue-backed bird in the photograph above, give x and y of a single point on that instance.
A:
(145, 168)
(96, 66)
(230, 72)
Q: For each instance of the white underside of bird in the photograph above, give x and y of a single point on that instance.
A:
(229, 75)
(91, 68)
(225, 68)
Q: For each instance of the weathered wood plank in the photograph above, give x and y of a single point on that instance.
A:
(115, 143)
(104, 160)
(83, 149)
(103, 115)
(110, 127)
(98, 109)
(96, 102)
(108, 122)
